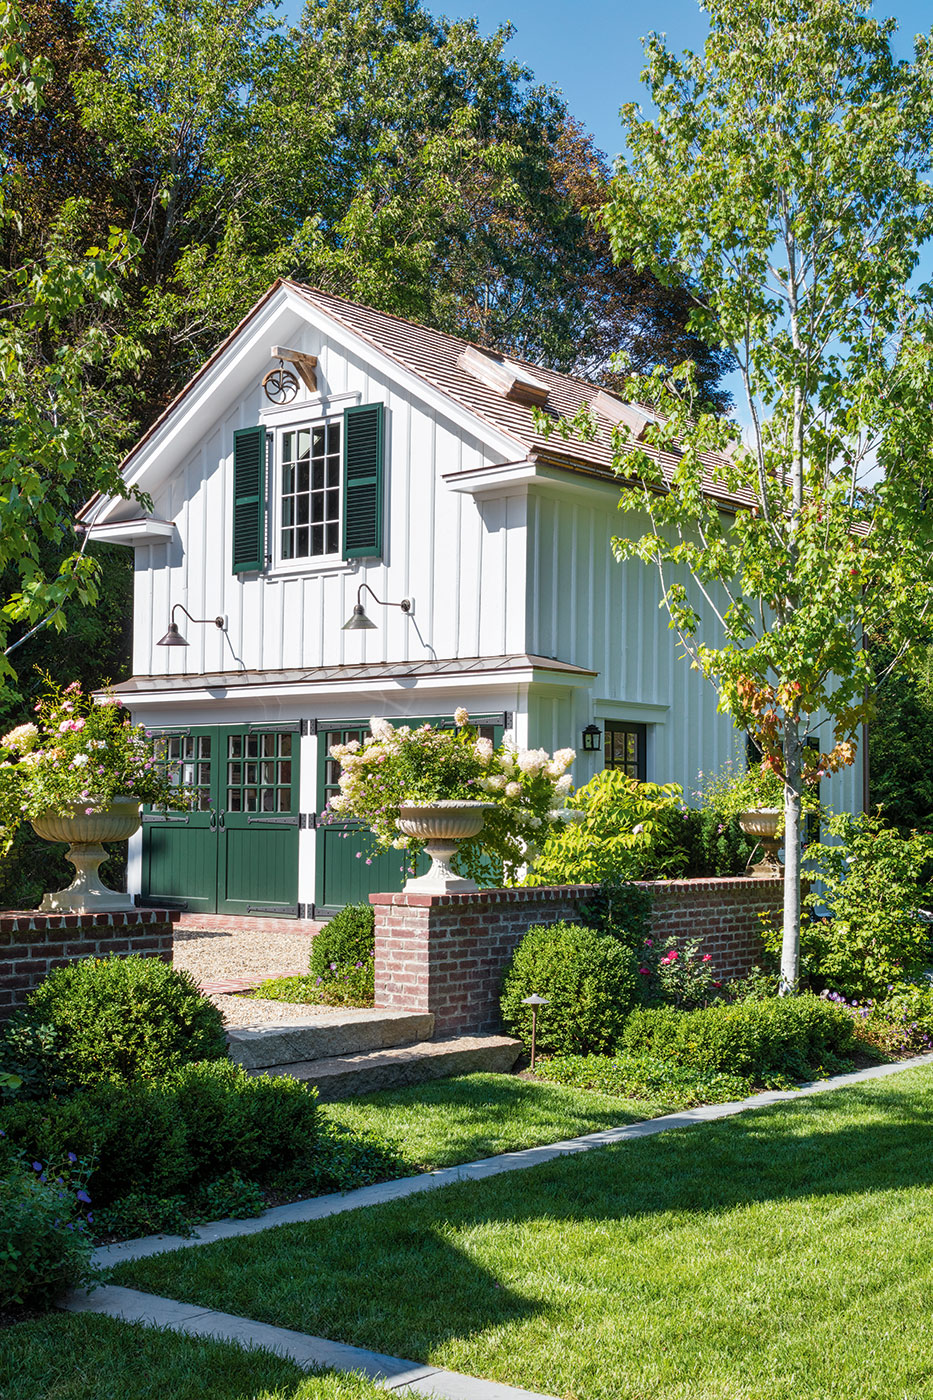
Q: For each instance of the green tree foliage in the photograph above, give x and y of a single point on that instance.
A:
(62, 418)
(901, 745)
(784, 179)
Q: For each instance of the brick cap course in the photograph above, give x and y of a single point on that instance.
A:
(35, 921)
(541, 894)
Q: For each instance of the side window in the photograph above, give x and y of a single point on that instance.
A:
(625, 749)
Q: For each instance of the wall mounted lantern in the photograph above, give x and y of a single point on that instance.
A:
(173, 637)
(358, 621)
(592, 738)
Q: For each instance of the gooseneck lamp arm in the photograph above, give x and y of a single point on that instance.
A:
(173, 637)
(358, 621)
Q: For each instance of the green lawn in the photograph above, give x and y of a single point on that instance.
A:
(786, 1254)
(67, 1357)
(480, 1115)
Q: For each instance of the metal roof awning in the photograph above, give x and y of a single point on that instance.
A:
(365, 675)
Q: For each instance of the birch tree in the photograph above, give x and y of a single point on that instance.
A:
(783, 177)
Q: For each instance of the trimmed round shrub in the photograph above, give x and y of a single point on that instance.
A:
(793, 1035)
(124, 1019)
(588, 979)
(348, 939)
(45, 1246)
(172, 1137)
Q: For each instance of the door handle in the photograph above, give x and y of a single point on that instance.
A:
(221, 823)
(213, 822)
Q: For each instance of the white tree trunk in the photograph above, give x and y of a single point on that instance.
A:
(790, 945)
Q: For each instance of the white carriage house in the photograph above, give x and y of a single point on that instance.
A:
(327, 449)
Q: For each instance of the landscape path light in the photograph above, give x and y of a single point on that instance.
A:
(534, 1001)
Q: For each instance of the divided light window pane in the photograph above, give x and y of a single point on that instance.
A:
(310, 486)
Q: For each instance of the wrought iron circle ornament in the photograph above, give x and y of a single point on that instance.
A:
(280, 385)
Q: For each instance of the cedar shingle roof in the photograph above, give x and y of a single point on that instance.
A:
(433, 356)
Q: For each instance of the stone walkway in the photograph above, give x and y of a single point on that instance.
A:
(395, 1373)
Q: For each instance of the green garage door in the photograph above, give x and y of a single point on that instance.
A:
(347, 868)
(236, 852)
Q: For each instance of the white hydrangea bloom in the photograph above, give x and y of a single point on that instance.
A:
(513, 789)
(380, 728)
(564, 784)
(497, 782)
(483, 750)
(531, 761)
(461, 717)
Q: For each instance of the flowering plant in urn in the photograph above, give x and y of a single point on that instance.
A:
(75, 759)
(523, 791)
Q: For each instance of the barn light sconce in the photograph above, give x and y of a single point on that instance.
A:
(358, 621)
(592, 738)
(173, 637)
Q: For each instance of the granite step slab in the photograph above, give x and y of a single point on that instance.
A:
(345, 1076)
(346, 1031)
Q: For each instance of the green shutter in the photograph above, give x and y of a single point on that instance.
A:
(249, 498)
(362, 481)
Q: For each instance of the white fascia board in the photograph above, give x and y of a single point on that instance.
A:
(412, 383)
(132, 532)
(183, 427)
(515, 478)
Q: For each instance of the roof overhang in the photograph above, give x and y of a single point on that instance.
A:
(142, 530)
(377, 678)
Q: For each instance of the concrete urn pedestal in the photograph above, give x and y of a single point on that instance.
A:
(84, 833)
(442, 826)
(763, 823)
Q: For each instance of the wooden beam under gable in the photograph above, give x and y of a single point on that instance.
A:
(306, 365)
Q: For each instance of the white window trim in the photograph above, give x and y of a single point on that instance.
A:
(278, 421)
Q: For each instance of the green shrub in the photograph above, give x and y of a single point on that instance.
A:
(629, 831)
(619, 909)
(588, 979)
(28, 1053)
(45, 1243)
(873, 883)
(342, 955)
(638, 831)
(902, 1020)
(168, 1139)
(713, 845)
(788, 1035)
(122, 1018)
(642, 1077)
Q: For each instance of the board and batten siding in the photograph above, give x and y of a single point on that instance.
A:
(462, 561)
(586, 607)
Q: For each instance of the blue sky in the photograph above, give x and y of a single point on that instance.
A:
(592, 51)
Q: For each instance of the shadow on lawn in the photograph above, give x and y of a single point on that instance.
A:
(408, 1276)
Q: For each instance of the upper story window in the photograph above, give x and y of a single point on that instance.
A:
(309, 475)
(308, 493)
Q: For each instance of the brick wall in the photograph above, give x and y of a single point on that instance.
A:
(725, 913)
(446, 953)
(31, 944)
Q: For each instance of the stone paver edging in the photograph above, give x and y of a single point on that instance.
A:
(310, 1353)
(320, 1207)
(395, 1374)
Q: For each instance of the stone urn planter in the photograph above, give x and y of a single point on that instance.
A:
(763, 823)
(442, 826)
(84, 834)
